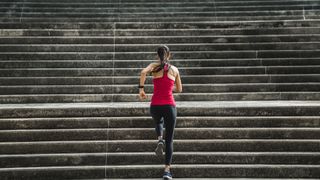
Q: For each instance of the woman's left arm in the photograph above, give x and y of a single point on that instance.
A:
(143, 76)
(178, 83)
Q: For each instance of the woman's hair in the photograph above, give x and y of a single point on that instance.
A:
(163, 53)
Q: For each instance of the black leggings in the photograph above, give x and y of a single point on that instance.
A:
(165, 114)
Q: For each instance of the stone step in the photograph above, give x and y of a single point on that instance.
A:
(87, 159)
(159, 39)
(85, 19)
(245, 54)
(212, 24)
(32, 8)
(177, 7)
(99, 9)
(195, 145)
(107, 1)
(148, 133)
(174, 6)
(135, 71)
(162, 19)
(44, 72)
(193, 108)
(151, 47)
(187, 88)
(152, 4)
(287, 54)
(188, 79)
(14, 64)
(203, 11)
(158, 32)
(224, 171)
(111, 16)
(166, 25)
(143, 18)
(153, 171)
(57, 25)
(147, 122)
(211, 179)
(100, 98)
(144, 1)
(208, 179)
(199, 32)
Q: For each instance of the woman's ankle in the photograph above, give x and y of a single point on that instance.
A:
(167, 168)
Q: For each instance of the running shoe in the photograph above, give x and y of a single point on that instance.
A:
(159, 149)
(167, 175)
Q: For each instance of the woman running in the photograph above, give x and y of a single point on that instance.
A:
(163, 106)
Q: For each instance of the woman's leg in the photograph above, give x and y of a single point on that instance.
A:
(157, 117)
(170, 123)
(156, 113)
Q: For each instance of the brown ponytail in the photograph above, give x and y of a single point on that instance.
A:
(163, 53)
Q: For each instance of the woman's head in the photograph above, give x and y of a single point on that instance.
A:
(164, 56)
(163, 53)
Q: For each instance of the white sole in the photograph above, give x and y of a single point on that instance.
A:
(167, 177)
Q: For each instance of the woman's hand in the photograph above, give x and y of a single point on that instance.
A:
(142, 95)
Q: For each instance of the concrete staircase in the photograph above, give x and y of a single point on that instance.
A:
(68, 88)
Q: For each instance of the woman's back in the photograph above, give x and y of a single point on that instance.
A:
(163, 83)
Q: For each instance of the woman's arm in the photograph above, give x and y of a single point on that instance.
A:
(143, 76)
(178, 87)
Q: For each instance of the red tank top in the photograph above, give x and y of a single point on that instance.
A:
(162, 91)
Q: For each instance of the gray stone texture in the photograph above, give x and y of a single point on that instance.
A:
(69, 106)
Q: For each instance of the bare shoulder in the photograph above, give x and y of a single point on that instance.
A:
(175, 69)
(154, 64)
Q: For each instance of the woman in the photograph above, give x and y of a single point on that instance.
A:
(163, 106)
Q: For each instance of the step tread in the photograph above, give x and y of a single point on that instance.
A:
(227, 67)
(137, 167)
(190, 141)
(148, 117)
(210, 179)
(159, 37)
(177, 129)
(219, 75)
(152, 30)
(155, 45)
(185, 85)
(180, 22)
(176, 153)
(184, 94)
(197, 104)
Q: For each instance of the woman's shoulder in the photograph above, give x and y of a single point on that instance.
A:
(174, 68)
(174, 71)
(154, 64)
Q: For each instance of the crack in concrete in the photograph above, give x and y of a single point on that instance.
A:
(304, 14)
(215, 10)
(106, 145)
(21, 14)
(112, 85)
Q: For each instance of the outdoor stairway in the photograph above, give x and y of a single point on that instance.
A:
(69, 106)
(215, 139)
